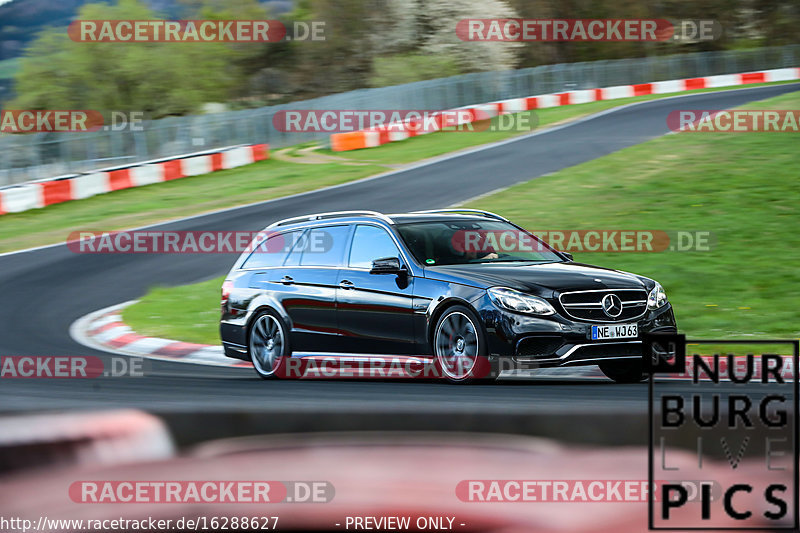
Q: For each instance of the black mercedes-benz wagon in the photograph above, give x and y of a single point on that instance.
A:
(466, 292)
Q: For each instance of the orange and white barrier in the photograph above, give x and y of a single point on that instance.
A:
(33, 195)
(355, 140)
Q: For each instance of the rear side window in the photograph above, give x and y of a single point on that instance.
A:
(371, 243)
(271, 252)
(324, 246)
(296, 250)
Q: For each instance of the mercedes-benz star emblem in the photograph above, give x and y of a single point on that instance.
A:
(612, 305)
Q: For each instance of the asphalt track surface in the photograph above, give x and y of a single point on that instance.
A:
(45, 290)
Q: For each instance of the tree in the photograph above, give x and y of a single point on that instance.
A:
(159, 79)
(428, 28)
(344, 60)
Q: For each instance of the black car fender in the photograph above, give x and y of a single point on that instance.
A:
(460, 295)
(266, 301)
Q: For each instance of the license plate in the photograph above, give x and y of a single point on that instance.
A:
(614, 331)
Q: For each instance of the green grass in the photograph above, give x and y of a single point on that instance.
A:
(189, 313)
(261, 181)
(741, 187)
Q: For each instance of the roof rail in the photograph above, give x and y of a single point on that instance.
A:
(332, 214)
(487, 214)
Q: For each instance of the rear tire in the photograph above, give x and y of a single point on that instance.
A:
(268, 344)
(624, 371)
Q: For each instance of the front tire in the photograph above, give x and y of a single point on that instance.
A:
(268, 343)
(459, 346)
(624, 371)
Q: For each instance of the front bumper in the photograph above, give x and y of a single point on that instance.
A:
(526, 341)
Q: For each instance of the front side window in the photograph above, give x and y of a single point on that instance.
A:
(371, 243)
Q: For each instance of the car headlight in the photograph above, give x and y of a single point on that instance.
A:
(519, 302)
(657, 297)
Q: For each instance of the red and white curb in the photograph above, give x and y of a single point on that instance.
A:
(104, 330)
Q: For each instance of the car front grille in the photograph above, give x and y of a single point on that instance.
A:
(588, 305)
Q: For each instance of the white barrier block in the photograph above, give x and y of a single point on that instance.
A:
(237, 157)
(668, 86)
(22, 198)
(547, 100)
(513, 105)
(583, 96)
(619, 91)
(89, 185)
(146, 175)
(371, 138)
(397, 132)
(781, 74)
(194, 166)
(723, 80)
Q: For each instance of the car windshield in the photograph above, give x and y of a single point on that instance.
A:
(469, 241)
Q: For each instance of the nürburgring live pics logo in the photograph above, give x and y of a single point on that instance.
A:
(735, 409)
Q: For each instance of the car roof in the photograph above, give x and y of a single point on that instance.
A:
(444, 215)
(411, 218)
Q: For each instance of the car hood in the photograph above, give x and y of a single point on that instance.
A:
(543, 279)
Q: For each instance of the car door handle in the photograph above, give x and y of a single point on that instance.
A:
(286, 280)
(346, 284)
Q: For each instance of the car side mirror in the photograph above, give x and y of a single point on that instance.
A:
(567, 255)
(386, 265)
